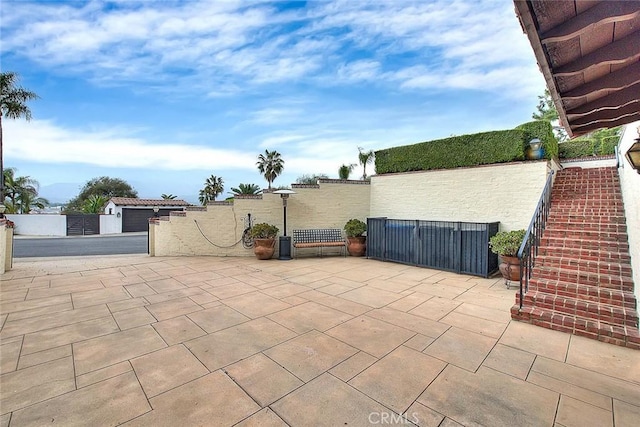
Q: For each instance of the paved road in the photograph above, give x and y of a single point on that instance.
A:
(24, 247)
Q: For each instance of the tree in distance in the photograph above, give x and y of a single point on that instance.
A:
(102, 186)
(21, 193)
(311, 179)
(365, 158)
(213, 187)
(270, 165)
(168, 196)
(345, 170)
(13, 105)
(250, 189)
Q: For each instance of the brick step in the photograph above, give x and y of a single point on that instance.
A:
(585, 254)
(549, 241)
(588, 225)
(584, 203)
(614, 334)
(611, 314)
(558, 231)
(557, 217)
(588, 293)
(612, 281)
(584, 265)
(599, 191)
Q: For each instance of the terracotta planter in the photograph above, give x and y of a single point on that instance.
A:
(356, 246)
(510, 268)
(264, 248)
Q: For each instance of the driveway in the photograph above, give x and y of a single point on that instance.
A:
(129, 243)
(310, 342)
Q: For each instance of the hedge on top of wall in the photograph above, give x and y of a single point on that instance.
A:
(467, 150)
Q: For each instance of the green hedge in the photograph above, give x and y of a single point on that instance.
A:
(467, 150)
(544, 131)
(587, 147)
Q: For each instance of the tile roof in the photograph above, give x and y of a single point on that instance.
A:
(130, 201)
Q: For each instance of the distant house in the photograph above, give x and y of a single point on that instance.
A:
(133, 214)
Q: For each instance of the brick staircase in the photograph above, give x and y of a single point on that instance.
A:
(581, 282)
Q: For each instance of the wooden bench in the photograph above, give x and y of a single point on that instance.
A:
(319, 238)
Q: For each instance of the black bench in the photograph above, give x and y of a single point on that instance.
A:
(319, 238)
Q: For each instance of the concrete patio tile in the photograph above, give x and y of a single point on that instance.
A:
(99, 296)
(31, 385)
(173, 308)
(263, 418)
(52, 320)
(15, 307)
(15, 295)
(502, 300)
(230, 291)
(327, 401)
(203, 297)
(202, 402)
(412, 322)
(211, 304)
(462, 348)
(27, 360)
(223, 281)
(255, 304)
(487, 313)
(395, 286)
(349, 307)
(127, 304)
(540, 341)
(140, 290)
(435, 308)
(510, 361)
(100, 352)
(133, 318)
(83, 285)
(399, 378)
(285, 290)
(238, 342)
(9, 354)
(423, 416)
(217, 318)
(475, 324)
(334, 289)
(371, 335)
(489, 398)
(262, 378)
(178, 329)
(371, 296)
(172, 295)
(165, 285)
(294, 300)
(353, 366)
(409, 302)
(625, 415)
(574, 413)
(618, 389)
(419, 342)
(448, 422)
(613, 360)
(4, 420)
(99, 375)
(346, 282)
(310, 315)
(109, 402)
(311, 354)
(167, 368)
(570, 390)
(439, 290)
(68, 334)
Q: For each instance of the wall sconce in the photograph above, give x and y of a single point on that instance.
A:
(156, 209)
(118, 215)
(633, 153)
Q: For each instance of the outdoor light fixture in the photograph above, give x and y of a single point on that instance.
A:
(633, 153)
(285, 241)
(3, 208)
(118, 215)
(155, 211)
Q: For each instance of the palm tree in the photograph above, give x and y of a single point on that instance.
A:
(168, 196)
(365, 158)
(213, 187)
(94, 204)
(13, 104)
(246, 189)
(344, 171)
(20, 192)
(28, 200)
(270, 165)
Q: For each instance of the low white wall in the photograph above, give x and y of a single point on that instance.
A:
(630, 186)
(39, 224)
(6, 246)
(217, 230)
(507, 193)
(110, 224)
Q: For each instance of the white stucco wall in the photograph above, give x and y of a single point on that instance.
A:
(110, 224)
(5, 236)
(507, 193)
(39, 224)
(329, 206)
(630, 186)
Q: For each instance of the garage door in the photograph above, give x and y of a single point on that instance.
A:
(138, 219)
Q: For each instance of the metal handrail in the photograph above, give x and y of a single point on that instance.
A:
(531, 241)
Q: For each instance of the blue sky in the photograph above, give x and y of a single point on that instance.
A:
(165, 94)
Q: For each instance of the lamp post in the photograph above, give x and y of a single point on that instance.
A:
(285, 241)
(156, 209)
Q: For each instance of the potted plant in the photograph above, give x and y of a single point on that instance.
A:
(506, 245)
(356, 241)
(264, 240)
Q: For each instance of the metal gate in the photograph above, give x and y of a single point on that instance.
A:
(138, 219)
(462, 247)
(83, 224)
